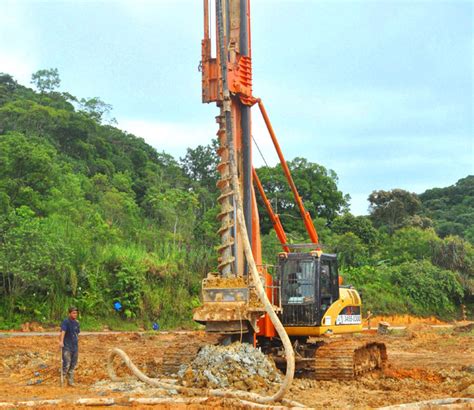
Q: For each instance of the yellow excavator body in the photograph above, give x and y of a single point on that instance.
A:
(333, 322)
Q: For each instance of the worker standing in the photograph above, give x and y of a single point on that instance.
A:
(69, 344)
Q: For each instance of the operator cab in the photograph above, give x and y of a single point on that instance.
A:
(309, 284)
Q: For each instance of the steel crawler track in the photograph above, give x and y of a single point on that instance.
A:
(347, 359)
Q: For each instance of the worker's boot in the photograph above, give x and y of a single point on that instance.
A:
(70, 378)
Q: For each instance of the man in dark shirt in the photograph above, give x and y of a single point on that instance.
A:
(68, 342)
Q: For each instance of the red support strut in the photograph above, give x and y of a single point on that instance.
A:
(308, 222)
(273, 217)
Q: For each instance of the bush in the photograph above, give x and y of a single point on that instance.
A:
(409, 244)
(430, 289)
(415, 287)
(378, 294)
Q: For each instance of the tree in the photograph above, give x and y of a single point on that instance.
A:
(46, 80)
(408, 244)
(7, 81)
(173, 210)
(33, 261)
(7, 86)
(419, 221)
(95, 108)
(200, 165)
(451, 208)
(316, 185)
(390, 209)
(359, 225)
(350, 250)
(28, 170)
(427, 288)
(457, 255)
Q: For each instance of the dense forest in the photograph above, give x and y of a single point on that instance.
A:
(91, 215)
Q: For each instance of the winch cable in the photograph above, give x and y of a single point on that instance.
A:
(260, 152)
(289, 353)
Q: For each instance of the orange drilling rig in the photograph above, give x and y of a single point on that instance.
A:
(306, 293)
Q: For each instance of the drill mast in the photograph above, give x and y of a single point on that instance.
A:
(231, 90)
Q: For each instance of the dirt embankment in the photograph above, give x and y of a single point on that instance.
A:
(405, 320)
(424, 363)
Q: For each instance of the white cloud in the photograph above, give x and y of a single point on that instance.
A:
(17, 65)
(17, 42)
(359, 204)
(173, 138)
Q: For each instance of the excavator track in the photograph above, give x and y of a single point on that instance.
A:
(347, 359)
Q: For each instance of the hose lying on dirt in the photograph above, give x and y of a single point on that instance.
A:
(222, 392)
(182, 389)
(290, 357)
(430, 404)
(168, 402)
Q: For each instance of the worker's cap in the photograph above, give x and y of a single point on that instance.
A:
(73, 309)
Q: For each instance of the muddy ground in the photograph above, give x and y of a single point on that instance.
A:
(424, 363)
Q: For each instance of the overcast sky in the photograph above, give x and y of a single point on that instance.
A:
(379, 91)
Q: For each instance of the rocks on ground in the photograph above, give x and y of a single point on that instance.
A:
(238, 366)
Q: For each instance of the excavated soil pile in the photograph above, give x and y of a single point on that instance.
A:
(238, 366)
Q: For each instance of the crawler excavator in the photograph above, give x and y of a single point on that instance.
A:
(306, 292)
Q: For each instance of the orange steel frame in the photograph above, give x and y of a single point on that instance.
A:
(273, 216)
(308, 222)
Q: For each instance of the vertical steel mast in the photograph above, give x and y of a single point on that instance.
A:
(246, 122)
(231, 71)
(227, 81)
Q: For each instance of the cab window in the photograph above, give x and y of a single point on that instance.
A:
(328, 283)
(299, 278)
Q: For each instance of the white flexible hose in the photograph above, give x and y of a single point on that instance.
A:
(182, 389)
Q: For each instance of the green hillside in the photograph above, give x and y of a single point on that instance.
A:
(452, 208)
(90, 215)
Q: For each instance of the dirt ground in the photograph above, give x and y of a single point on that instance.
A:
(424, 363)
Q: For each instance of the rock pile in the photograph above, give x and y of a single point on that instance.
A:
(238, 366)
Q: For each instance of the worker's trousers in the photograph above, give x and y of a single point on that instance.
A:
(69, 363)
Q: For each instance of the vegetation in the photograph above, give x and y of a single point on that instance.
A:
(91, 215)
(452, 208)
